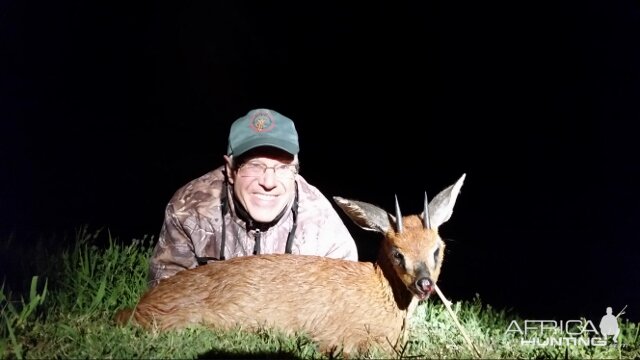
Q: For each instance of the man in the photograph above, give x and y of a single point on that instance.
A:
(609, 325)
(256, 203)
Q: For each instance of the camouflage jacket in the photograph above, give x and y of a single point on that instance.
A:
(193, 225)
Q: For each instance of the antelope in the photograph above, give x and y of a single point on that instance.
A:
(342, 305)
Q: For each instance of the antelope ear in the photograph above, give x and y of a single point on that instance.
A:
(441, 206)
(367, 216)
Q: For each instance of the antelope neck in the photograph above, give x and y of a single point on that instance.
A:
(401, 294)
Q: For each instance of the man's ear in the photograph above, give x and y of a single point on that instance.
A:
(228, 167)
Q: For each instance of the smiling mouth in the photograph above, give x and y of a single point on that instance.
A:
(266, 197)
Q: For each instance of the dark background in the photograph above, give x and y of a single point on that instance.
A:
(107, 108)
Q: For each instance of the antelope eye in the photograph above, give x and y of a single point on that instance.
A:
(397, 255)
(436, 254)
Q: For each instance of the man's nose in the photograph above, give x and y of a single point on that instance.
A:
(268, 179)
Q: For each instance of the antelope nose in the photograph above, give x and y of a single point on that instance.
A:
(424, 284)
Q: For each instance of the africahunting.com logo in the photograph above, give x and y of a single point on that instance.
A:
(567, 332)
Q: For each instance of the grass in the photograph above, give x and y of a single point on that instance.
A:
(62, 307)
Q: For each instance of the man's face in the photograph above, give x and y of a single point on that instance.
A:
(263, 181)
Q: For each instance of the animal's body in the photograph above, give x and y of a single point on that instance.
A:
(343, 305)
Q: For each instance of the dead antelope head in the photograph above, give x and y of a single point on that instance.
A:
(412, 245)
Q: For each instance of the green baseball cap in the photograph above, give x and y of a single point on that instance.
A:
(262, 127)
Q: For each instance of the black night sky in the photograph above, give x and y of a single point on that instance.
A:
(107, 108)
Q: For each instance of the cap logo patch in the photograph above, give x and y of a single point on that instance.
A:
(262, 122)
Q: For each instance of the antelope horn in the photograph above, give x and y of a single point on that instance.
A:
(398, 217)
(426, 220)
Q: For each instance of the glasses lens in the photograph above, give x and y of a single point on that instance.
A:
(285, 171)
(251, 169)
(254, 169)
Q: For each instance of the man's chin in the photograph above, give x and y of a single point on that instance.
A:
(263, 215)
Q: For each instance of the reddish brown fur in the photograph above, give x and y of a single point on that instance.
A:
(341, 304)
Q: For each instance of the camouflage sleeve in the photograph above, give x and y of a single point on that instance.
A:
(338, 238)
(173, 252)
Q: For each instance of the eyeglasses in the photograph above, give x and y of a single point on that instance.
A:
(256, 169)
